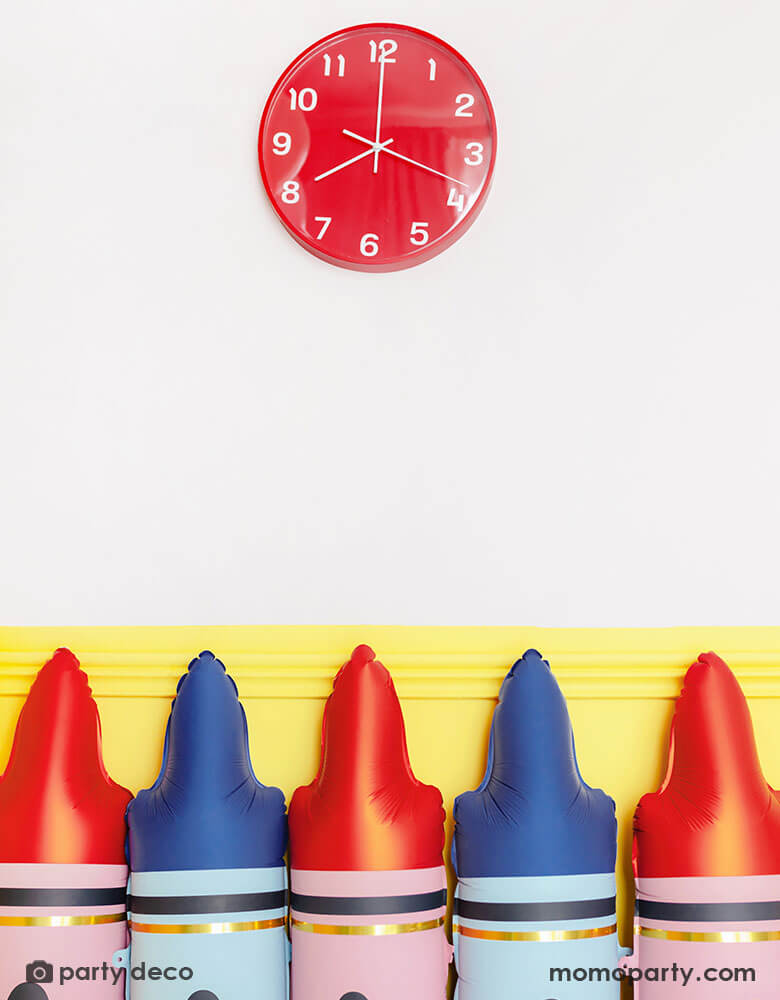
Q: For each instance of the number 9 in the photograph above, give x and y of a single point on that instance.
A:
(282, 143)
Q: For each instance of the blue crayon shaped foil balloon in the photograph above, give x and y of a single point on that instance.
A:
(534, 851)
(208, 885)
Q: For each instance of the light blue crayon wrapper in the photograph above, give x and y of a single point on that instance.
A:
(216, 935)
(537, 938)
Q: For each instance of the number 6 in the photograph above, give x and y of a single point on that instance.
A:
(369, 245)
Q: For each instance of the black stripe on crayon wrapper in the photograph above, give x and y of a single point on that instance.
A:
(708, 912)
(363, 906)
(237, 903)
(63, 897)
(576, 909)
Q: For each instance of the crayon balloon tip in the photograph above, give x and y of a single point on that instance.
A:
(360, 665)
(365, 810)
(205, 657)
(64, 659)
(530, 658)
(57, 803)
(362, 654)
(714, 814)
(712, 661)
(708, 680)
(61, 672)
(62, 669)
(207, 810)
(533, 814)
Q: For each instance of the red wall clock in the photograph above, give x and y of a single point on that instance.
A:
(377, 147)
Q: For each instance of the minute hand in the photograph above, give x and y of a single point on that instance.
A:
(407, 159)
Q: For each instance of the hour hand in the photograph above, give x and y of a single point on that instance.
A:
(360, 138)
(354, 159)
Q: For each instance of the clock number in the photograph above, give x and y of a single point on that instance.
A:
(432, 75)
(464, 102)
(291, 192)
(476, 154)
(383, 52)
(369, 245)
(342, 64)
(306, 100)
(282, 143)
(326, 221)
(456, 199)
(419, 234)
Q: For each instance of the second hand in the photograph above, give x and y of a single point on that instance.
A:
(407, 159)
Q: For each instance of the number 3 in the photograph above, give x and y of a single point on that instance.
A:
(476, 154)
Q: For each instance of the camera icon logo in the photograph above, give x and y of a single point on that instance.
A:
(40, 972)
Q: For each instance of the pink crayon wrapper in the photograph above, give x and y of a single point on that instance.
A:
(60, 926)
(379, 935)
(704, 938)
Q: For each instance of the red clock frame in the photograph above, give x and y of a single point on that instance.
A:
(377, 147)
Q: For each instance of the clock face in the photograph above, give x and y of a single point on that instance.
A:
(377, 147)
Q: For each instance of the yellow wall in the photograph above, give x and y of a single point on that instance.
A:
(620, 683)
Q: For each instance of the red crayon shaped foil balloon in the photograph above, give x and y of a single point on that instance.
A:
(707, 855)
(366, 839)
(63, 874)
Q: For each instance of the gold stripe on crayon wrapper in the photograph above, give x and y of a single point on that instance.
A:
(100, 918)
(367, 929)
(223, 928)
(578, 935)
(707, 937)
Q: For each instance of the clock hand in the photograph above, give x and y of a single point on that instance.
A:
(354, 159)
(379, 112)
(400, 156)
(423, 166)
(360, 138)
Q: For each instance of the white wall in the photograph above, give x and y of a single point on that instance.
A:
(569, 418)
